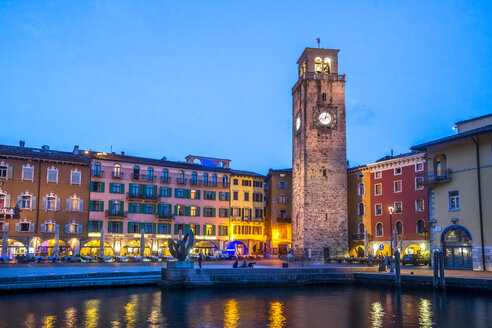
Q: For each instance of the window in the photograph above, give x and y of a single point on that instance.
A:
(135, 189)
(133, 208)
(94, 226)
(397, 186)
(323, 95)
(454, 200)
(97, 186)
(399, 228)
(235, 195)
(24, 227)
(236, 211)
(179, 193)
(180, 210)
(75, 177)
(235, 182)
(136, 173)
(181, 179)
(163, 229)
(147, 227)
(379, 209)
(209, 231)
(246, 196)
(361, 189)
(379, 229)
(53, 174)
(150, 174)
(283, 185)
(194, 178)
(223, 231)
(115, 188)
(247, 213)
(397, 171)
(224, 212)
(318, 66)
(225, 181)
(214, 180)
(149, 191)
(420, 226)
(361, 209)
(74, 204)
(283, 232)
(117, 171)
(50, 227)
(257, 230)
(419, 205)
(283, 199)
(96, 170)
(257, 197)
(258, 213)
(283, 214)
(133, 227)
(193, 211)
(193, 194)
(114, 227)
(205, 179)
(165, 192)
(51, 203)
(209, 212)
(165, 176)
(419, 183)
(246, 183)
(419, 167)
(360, 176)
(378, 175)
(378, 189)
(28, 172)
(3, 171)
(398, 207)
(210, 195)
(148, 209)
(96, 207)
(195, 228)
(258, 184)
(26, 202)
(362, 227)
(327, 66)
(223, 195)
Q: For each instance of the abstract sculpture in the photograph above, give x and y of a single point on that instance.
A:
(180, 249)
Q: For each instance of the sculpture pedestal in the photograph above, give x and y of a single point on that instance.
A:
(181, 264)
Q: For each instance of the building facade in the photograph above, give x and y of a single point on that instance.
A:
(247, 213)
(278, 211)
(51, 189)
(459, 176)
(319, 169)
(161, 198)
(359, 213)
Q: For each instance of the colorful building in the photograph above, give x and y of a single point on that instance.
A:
(360, 226)
(278, 211)
(162, 198)
(459, 176)
(247, 213)
(51, 189)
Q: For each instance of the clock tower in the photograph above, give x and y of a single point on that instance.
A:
(319, 168)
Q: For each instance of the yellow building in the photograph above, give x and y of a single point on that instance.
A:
(359, 210)
(459, 178)
(247, 220)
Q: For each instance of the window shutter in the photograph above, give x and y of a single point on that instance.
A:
(176, 193)
(17, 225)
(102, 186)
(121, 207)
(33, 202)
(31, 227)
(68, 204)
(81, 205)
(176, 210)
(129, 227)
(9, 172)
(111, 187)
(91, 186)
(169, 212)
(7, 201)
(228, 212)
(153, 209)
(100, 226)
(120, 227)
(141, 189)
(154, 228)
(278, 199)
(169, 192)
(168, 228)
(43, 227)
(110, 228)
(198, 211)
(287, 199)
(187, 211)
(101, 206)
(187, 193)
(197, 232)
(141, 208)
(58, 203)
(176, 231)
(198, 194)
(89, 226)
(213, 212)
(91, 205)
(213, 195)
(155, 191)
(110, 206)
(79, 228)
(67, 228)
(213, 230)
(186, 227)
(122, 188)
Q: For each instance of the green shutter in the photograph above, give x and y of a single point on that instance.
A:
(176, 229)
(129, 227)
(141, 226)
(110, 205)
(91, 206)
(175, 209)
(169, 211)
(91, 186)
(169, 192)
(187, 193)
(111, 187)
(198, 211)
(187, 211)
(122, 188)
(89, 227)
(153, 209)
(186, 227)
(154, 228)
(220, 213)
(141, 189)
(228, 196)
(100, 226)
(101, 206)
(155, 191)
(198, 194)
(176, 193)
(213, 230)
(204, 229)
(109, 227)
(213, 212)
(102, 186)
(169, 228)
(141, 208)
(213, 195)
(197, 232)
(121, 227)
(121, 206)
(220, 230)
(228, 212)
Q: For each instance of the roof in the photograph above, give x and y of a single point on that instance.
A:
(43, 154)
(155, 162)
(247, 173)
(466, 134)
(389, 157)
(473, 119)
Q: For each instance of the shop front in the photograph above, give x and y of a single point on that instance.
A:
(47, 247)
(457, 247)
(15, 248)
(132, 248)
(93, 249)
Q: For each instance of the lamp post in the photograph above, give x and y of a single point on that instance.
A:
(391, 209)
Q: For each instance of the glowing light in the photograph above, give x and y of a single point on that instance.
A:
(377, 315)
(231, 314)
(91, 314)
(391, 209)
(49, 321)
(277, 318)
(425, 313)
(422, 246)
(70, 317)
(130, 313)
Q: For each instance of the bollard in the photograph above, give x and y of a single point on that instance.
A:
(435, 280)
(397, 267)
(442, 280)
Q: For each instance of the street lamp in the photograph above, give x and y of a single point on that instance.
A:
(391, 209)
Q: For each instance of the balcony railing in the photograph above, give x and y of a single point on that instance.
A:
(116, 214)
(357, 236)
(164, 216)
(97, 173)
(181, 181)
(141, 196)
(320, 76)
(117, 175)
(143, 177)
(434, 178)
(165, 179)
(284, 220)
(212, 184)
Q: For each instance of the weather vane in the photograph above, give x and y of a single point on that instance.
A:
(319, 42)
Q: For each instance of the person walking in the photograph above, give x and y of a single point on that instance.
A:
(200, 260)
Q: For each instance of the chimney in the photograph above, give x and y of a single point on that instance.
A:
(122, 153)
(22, 143)
(45, 147)
(76, 150)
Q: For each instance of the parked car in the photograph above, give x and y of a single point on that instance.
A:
(414, 259)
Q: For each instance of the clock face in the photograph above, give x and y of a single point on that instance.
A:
(324, 118)
(298, 123)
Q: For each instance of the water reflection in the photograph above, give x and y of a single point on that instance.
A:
(70, 317)
(49, 321)
(425, 313)
(30, 321)
(91, 313)
(277, 319)
(130, 313)
(231, 314)
(377, 315)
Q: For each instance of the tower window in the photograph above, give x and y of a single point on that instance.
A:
(318, 66)
(324, 96)
(327, 66)
(324, 172)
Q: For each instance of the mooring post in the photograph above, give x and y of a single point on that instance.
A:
(435, 279)
(442, 280)
(397, 267)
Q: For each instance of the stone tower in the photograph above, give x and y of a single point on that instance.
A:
(319, 181)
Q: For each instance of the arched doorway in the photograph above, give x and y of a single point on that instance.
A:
(357, 251)
(205, 247)
(413, 249)
(164, 249)
(133, 249)
(457, 246)
(236, 247)
(93, 249)
(386, 251)
(46, 248)
(15, 248)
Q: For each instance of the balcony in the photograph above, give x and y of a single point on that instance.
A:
(117, 175)
(319, 76)
(284, 220)
(116, 214)
(165, 179)
(435, 178)
(164, 216)
(143, 177)
(97, 173)
(209, 184)
(141, 196)
(181, 181)
(357, 236)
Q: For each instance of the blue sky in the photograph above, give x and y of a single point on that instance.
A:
(172, 78)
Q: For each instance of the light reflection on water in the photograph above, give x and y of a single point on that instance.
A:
(317, 306)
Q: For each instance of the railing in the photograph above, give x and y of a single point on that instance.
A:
(143, 177)
(142, 196)
(322, 76)
(214, 184)
(436, 177)
(117, 175)
(116, 214)
(97, 173)
(284, 220)
(181, 181)
(357, 236)
(164, 216)
(165, 179)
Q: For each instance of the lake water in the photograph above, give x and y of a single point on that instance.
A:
(313, 306)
